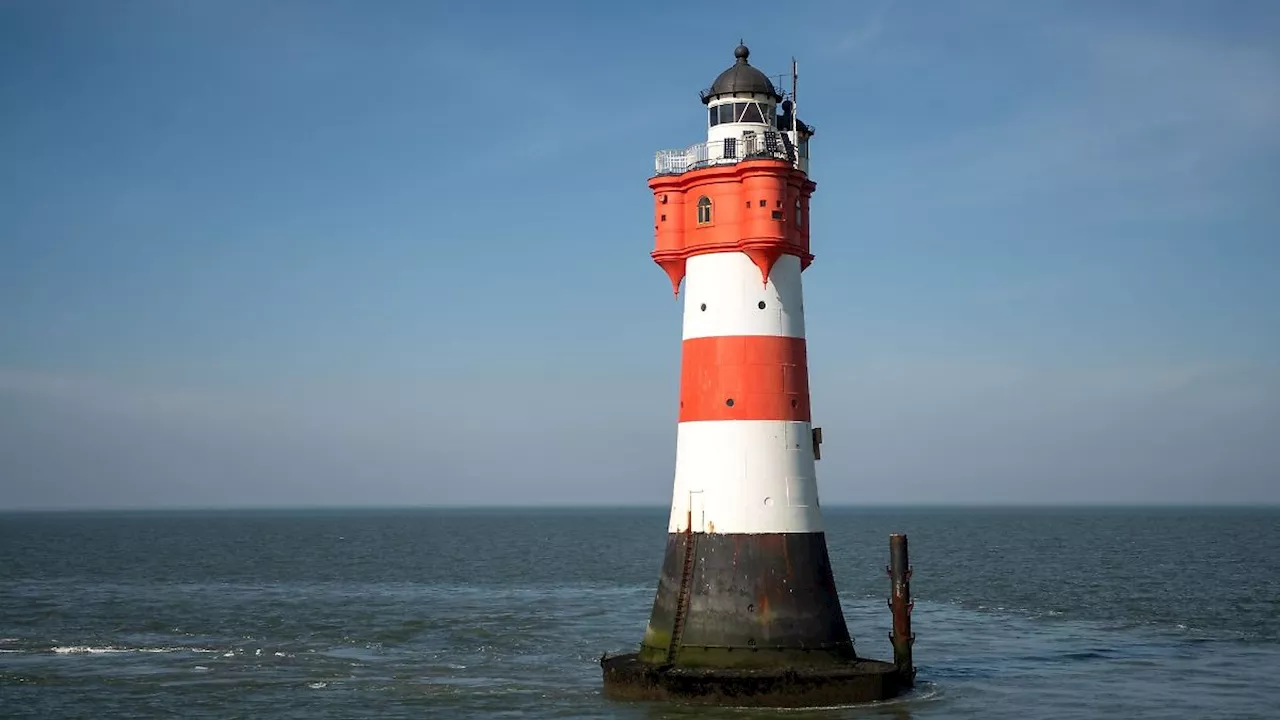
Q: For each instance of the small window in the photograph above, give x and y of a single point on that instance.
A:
(799, 213)
(726, 112)
(704, 210)
(715, 117)
(751, 114)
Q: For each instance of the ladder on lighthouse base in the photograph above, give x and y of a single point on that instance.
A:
(686, 584)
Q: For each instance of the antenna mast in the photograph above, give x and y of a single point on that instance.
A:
(794, 112)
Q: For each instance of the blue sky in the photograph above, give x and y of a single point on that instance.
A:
(332, 253)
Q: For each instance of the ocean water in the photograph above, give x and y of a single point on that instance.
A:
(1067, 613)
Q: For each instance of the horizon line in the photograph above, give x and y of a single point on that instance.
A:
(1083, 505)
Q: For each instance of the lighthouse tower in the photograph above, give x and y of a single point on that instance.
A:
(746, 607)
(746, 580)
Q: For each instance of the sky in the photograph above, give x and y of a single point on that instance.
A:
(321, 253)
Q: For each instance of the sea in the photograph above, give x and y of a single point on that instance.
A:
(504, 613)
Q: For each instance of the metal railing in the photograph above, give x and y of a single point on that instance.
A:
(748, 146)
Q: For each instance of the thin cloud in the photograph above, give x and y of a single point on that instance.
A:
(865, 32)
(990, 429)
(1144, 123)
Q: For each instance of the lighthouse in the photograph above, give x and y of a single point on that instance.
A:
(746, 606)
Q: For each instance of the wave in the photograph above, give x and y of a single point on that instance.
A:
(113, 649)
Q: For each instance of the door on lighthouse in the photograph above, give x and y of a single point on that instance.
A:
(696, 520)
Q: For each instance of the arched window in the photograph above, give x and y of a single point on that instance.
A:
(704, 210)
(799, 214)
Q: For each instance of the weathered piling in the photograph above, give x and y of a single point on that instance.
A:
(900, 603)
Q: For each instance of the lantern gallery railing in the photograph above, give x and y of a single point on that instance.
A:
(748, 146)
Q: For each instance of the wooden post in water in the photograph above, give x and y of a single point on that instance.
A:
(900, 602)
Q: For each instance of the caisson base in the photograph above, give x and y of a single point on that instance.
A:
(858, 681)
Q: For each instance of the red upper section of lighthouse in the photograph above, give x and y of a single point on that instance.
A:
(759, 206)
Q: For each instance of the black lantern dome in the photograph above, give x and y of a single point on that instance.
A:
(740, 78)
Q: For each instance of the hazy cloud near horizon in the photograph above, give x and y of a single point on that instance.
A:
(398, 254)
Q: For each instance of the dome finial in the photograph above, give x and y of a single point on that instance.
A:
(741, 52)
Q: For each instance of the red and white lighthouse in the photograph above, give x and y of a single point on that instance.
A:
(746, 608)
(746, 579)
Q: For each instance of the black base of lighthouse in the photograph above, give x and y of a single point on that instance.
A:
(626, 677)
(746, 600)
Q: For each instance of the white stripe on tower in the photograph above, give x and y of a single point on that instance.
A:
(728, 284)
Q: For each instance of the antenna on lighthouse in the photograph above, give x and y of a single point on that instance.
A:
(795, 75)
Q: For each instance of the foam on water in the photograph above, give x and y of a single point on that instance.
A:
(114, 650)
